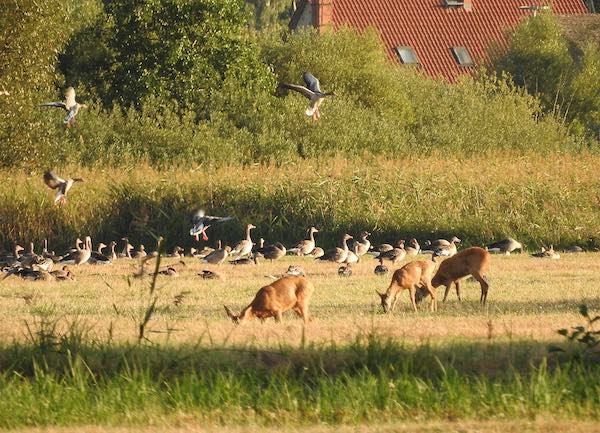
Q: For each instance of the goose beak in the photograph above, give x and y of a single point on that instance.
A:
(204, 237)
(196, 237)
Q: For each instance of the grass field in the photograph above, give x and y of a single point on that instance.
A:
(529, 299)
(69, 357)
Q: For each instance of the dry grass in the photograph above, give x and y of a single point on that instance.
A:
(529, 299)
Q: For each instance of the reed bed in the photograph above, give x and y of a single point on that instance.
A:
(531, 197)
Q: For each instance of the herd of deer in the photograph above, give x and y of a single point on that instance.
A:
(419, 277)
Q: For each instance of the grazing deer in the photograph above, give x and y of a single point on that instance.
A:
(287, 293)
(471, 261)
(409, 277)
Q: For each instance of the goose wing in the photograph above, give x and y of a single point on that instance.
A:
(54, 104)
(300, 89)
(52, 180)
(312, 82)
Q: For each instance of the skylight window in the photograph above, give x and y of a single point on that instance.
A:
(407, 55)
(462, 56)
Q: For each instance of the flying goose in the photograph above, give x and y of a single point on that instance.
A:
(306, 246)
(505, 246)
(71, 106)
(337, 255)
(312, 91)
(244, 247)
(61, 186)
(362, 245)
(201, 222)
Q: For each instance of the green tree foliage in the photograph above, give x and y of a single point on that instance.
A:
(269, 13)
(180, 51)
(538, 59)
(31, 34)
(585, 94)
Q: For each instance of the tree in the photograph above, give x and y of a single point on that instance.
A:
(173, 50)
(538, 59)
(585, 93)
(31, 34)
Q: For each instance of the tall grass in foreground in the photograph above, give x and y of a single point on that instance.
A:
(536, 199)
(73, 381)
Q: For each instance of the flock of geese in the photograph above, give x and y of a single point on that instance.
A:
(50, 266)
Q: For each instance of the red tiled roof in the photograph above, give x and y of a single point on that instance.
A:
(431, 29)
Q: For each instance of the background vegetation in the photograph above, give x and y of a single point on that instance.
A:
(194, 89)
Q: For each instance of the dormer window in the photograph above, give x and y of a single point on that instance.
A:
(462, 56)
(407, 55)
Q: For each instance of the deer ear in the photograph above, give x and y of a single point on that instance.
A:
(229, 313)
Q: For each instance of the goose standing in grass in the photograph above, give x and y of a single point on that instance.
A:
(396, 254)
(339, 254)
(413, 247)
(217, 256)
(443, 249)
(126, 253)
(80, 255)
(574, 249)
(306, 246)
(71, 106)
(11, 259)
(113, 254)
(140, 253)
(272, 252)
(362, 245)
(61, 185)
(201, 222)
(505, 246)
(97, 257)
(312, 91)
(244, 247)
(317, 252)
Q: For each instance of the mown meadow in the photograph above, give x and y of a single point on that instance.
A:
(71, 353)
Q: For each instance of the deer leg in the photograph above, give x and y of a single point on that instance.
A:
(395, 301)
(447, 290)
(484, 287)
(412, 292)
(457, 287)
(278, 316)
(433, 295)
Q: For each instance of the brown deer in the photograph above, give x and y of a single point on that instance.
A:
(287, 293)
(470, 261)
(410, 277)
